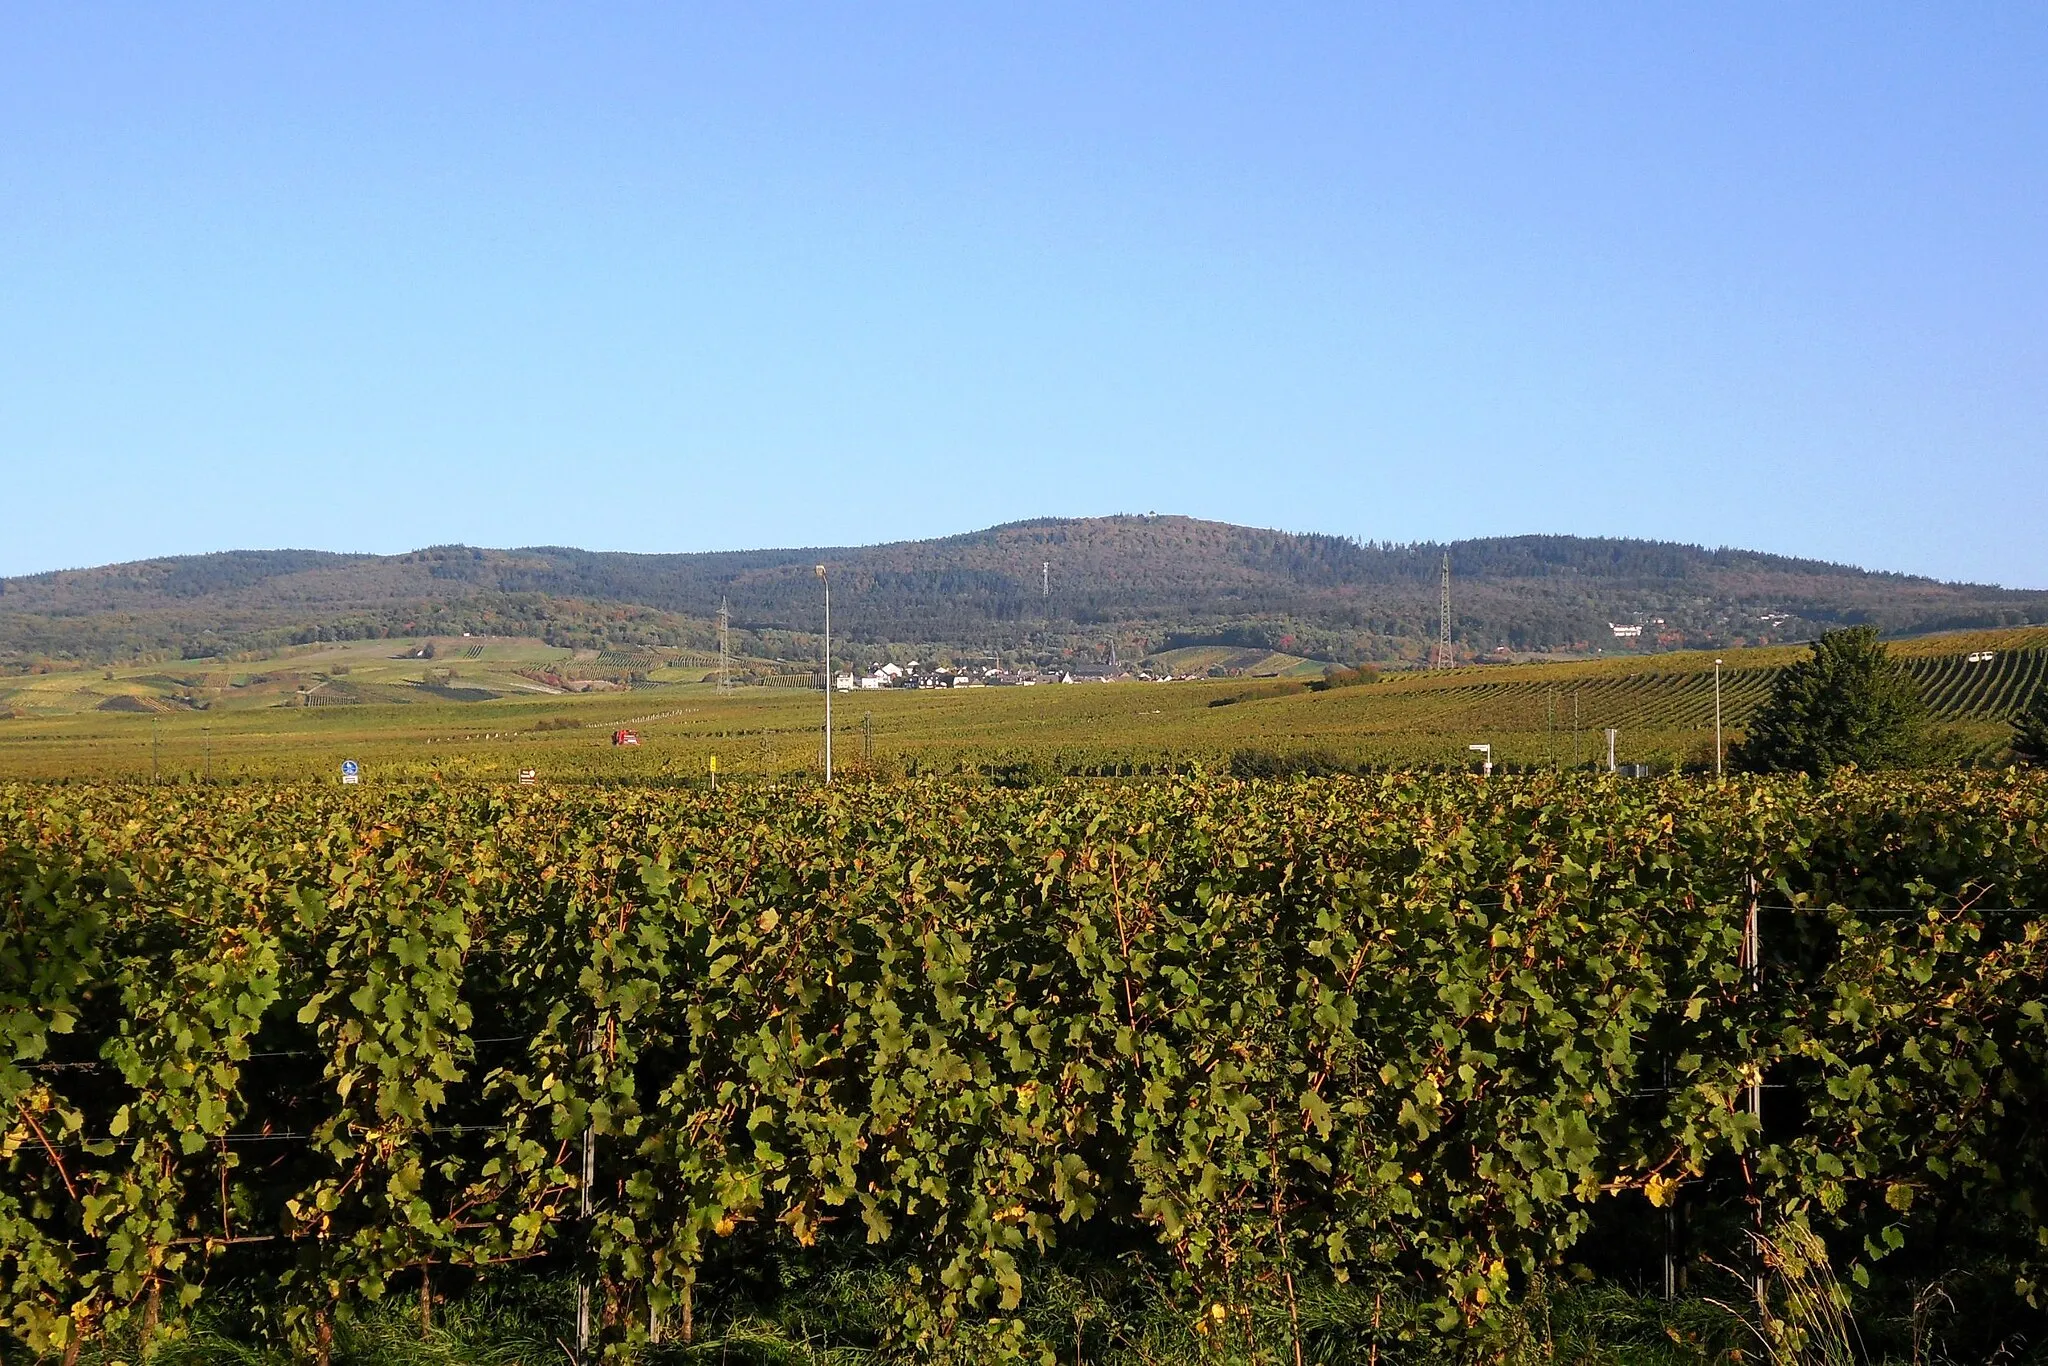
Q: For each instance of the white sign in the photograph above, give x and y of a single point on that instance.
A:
(528, 777)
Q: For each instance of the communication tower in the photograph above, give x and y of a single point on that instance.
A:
(724, 648)
(1443, 628)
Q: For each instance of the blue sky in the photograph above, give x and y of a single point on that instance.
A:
(674, 278)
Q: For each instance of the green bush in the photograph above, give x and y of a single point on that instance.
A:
(2030, 730)
(1847, 704)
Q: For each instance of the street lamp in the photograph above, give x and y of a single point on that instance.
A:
(1486, 761)
(828, 673)
(1717, 718)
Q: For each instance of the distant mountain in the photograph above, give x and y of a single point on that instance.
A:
(1044, 586)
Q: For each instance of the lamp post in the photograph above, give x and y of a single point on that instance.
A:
(828, 673)
(1717, 718)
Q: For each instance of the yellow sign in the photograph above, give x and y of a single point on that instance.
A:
(714, 763)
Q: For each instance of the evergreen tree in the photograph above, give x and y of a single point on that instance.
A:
(1845, 704)
(2030, 729)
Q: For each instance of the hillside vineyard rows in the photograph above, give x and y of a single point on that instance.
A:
(1955, 688)
(334, 1043)
(1534, 716)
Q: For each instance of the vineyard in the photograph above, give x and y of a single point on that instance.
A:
(1534, 715)
(1456, 1041)
(1962, 688)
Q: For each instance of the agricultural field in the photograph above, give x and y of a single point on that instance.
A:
(1200, 659)
(509, 707)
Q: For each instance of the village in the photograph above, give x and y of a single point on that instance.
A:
(917, 674)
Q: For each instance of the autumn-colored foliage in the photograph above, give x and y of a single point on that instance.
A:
(331, 1037)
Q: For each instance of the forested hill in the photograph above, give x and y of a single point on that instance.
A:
(1146, 581)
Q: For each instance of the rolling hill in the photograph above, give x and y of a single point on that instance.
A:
(1044, 587)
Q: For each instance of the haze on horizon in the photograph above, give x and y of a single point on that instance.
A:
(658, 280)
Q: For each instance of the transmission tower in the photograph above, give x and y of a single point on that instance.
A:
(1443, 628)
(724, 648)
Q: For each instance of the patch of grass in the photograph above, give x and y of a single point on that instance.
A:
(1104, 1314)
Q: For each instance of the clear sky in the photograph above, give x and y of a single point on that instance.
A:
(667, 277)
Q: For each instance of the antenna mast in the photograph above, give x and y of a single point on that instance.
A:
(1443, 629)
(724, 648)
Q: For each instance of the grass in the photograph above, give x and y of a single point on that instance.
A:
(816, 1310)
(1095, 1315)
(483, 720)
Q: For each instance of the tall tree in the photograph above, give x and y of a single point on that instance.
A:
(2030, 729)
(1847, 703)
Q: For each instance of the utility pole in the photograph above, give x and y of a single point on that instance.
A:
(828, 673)
(1443, 627)
(1717, 718)
(1045, 581)
(154, 748)
(1611, 733)
(867, 738)
(207, 729)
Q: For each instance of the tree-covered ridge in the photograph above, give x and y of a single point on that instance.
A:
(1045, 584)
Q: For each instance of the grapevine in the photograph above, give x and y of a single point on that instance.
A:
(1431, 1024)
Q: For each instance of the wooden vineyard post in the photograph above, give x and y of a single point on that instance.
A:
(583, 1209)
(1670, 1218)
(1753, 964)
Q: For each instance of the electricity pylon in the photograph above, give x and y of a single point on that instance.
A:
(724, 648)
(1443, 628)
